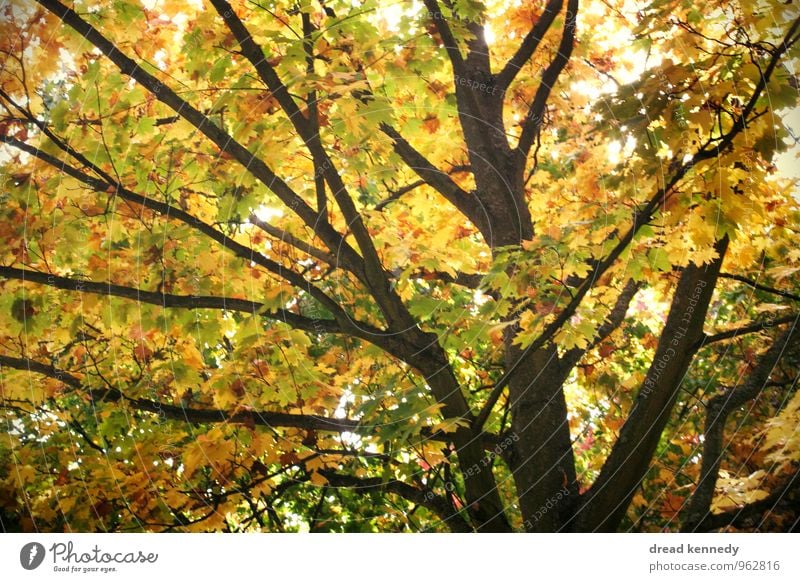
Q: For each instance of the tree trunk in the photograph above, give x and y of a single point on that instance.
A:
(543, 462)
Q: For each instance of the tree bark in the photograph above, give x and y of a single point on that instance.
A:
(543, 462)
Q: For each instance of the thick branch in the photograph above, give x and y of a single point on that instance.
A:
(528, 46)
(364, 331)
(468, 280)
(370, 269)
(266, 418)
(290, 239)
(466, 203)
(418, 348)
(313, 113)
(746, 329)
(437, 504)
(717, 412)
(449, 41)
(255, 54)
(534, 117)
(605, 503)
(402, 191)
(200, 416)
(759, 286)
(172, 301)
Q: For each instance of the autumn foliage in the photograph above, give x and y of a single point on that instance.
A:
(417, 266)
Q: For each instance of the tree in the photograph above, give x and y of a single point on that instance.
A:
(449, 265)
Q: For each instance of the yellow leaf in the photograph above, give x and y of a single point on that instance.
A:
(26, 474)
(315, 463)
(318, 479)
(779, 273)
(449, 425)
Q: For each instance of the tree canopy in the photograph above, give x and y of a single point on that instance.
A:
(438, 265)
